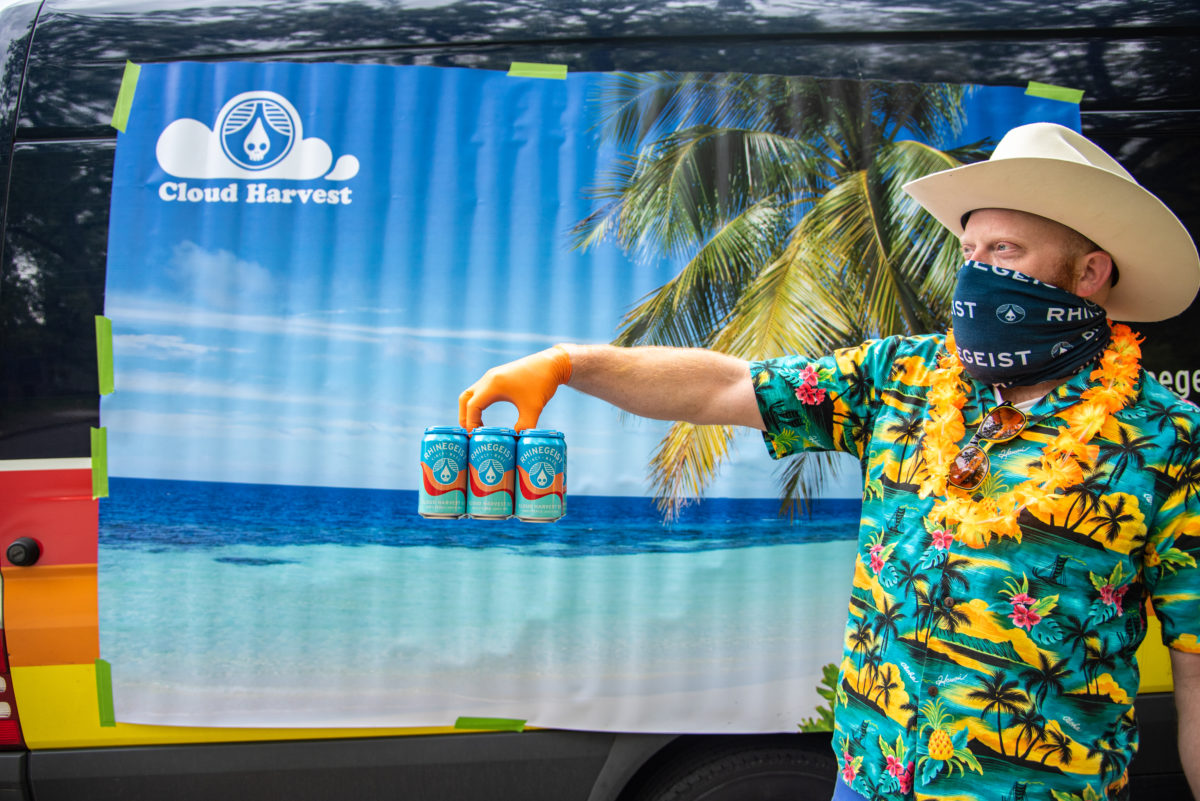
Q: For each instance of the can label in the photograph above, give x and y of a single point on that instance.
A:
(443, 474)
(492, 463)
(541, 476)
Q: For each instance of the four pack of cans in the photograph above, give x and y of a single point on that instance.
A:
(493, 474)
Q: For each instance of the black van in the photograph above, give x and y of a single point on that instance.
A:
(1137, 64)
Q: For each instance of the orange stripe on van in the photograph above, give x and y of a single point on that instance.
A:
(51, 616)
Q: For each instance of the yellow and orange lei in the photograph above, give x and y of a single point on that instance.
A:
(975, 521)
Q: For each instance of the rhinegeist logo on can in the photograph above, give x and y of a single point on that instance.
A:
(541, 476)
(491, 464)
(443, 492)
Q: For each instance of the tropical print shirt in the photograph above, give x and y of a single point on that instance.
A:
(1005, 671)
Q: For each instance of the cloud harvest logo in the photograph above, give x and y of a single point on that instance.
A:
(256, 136)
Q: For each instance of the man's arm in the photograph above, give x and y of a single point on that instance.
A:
(689, 384)
(1185, 668)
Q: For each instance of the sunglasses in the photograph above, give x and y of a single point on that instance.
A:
(972, 465)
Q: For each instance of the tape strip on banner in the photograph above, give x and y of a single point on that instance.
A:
(99, 463)
(104, 354)
(527, 69)
(120, 115)
(104, 693)
(490, 724)
(1052, 92)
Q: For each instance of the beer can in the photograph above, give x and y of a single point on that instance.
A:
(541, 476)
(443, 492)
(492, 461)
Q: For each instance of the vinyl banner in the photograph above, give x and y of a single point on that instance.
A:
(309, 262)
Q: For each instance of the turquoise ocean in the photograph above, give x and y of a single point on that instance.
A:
(267, 605)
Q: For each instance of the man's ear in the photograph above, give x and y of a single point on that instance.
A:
(1095, 276)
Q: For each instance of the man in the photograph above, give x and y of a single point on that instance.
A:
(1004, 561)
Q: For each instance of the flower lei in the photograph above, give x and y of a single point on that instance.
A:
(977, 520)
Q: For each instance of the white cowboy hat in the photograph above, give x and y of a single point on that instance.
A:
(1054, 172)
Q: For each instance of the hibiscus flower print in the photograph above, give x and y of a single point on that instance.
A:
(808, 392)
(877, 558)
(1022, 599)
(1112, 596)
(850, 767)
(942, 539)
(1025, 617)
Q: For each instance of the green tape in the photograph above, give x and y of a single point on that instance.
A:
(104, 693)
(99, 463)
(120, 115)
(1052, 92)
(104, 354)
(526, 69)
(490, 724)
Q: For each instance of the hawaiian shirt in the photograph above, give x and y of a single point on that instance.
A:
(1006, 671)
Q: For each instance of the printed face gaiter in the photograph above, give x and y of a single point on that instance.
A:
(1013, 330)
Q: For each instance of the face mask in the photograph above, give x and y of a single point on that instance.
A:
(1011, 329)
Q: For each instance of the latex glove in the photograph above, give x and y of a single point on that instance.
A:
(528, 383)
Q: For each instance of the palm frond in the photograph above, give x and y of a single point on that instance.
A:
(925, 252)
(640, 107)
(667, 200)
(685, 462)
(793, 305)
(847, 234)
(802, 478)
(689, 309)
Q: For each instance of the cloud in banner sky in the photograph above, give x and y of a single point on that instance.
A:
(138, 311)
(218, 277)
(160, 346)
(187, 385)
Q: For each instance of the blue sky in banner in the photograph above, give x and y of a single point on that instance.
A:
(310, 342)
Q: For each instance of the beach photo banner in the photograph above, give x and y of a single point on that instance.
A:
(308, 263)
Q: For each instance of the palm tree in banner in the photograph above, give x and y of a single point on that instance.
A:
(781, 196)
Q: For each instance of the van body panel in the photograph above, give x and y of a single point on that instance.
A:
(1118, 53)
(1138, 66)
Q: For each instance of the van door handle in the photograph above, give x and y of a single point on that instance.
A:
(23, 551)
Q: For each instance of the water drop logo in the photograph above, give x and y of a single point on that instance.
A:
(444, 470)
(1010, 313)
(491, 471)
(257, 129)
(541, 475)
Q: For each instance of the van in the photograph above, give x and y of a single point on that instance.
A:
(65, 66)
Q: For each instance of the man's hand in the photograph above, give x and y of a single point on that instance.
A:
(528, 383)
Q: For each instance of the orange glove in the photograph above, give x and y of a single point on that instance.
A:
(528, 383)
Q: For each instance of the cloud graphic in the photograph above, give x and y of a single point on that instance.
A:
(138, 311)
(345, 169)
(218, 278)
(160, 346)
(188, 148)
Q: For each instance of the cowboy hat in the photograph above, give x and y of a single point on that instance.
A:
(1054, 172)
